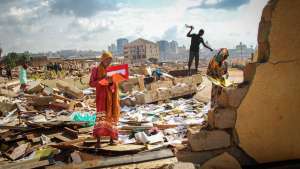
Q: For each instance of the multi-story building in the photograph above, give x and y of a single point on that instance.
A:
(141, 50)
(174, 46)
(120, 45)
(113, 49)
(164, 48)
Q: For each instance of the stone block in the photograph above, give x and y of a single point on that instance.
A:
(223, 161)
(224, 118)
(232, 97)
(43, 100)
(34, 87)
(208, 140)
(146, 97)
(69, 89)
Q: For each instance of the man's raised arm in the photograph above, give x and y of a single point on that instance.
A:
(189, 33)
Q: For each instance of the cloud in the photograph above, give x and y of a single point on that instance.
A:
(221, 4)
(170, 33)
(43, 25)
(82, 8)
(91, 25)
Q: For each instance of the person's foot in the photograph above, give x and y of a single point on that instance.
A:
(112, 142)
(98, 144)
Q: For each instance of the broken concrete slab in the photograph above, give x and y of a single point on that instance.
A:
(8, 93)
(34, 87)
(69, 89)
(42, 100)
(208, 139)
(222, 118)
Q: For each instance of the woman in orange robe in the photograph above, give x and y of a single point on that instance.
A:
(107, 100)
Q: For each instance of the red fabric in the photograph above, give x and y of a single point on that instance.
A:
(94, 77)
(104, 128)
(119, 69)
(101, 92)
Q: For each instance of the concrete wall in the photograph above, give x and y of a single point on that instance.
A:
(268, 119)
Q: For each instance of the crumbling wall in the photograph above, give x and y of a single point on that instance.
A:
(268, 117)
(258, 121)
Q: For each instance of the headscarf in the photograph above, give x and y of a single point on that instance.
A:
(220, 56)
(102, 70)
(105, 55)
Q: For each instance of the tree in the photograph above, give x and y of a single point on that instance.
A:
(15, 59)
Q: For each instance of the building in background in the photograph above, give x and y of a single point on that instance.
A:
(168, 50)
(164, 48)
(174, 47)
(113, 49)
(141, 50)
(121, 42)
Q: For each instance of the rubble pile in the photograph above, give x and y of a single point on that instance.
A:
(52, 126)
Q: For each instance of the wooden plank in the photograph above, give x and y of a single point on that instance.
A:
(135, 127)
(71, 132)
(123, 147)
(18, 152)
(62, 138)
(121, 160)
(28, 164)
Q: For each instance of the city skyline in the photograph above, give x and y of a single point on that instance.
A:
(50, 25)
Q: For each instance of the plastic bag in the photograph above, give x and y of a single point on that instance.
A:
(84, 117)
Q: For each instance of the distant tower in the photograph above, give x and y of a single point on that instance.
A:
(120, 45)
(174, 46)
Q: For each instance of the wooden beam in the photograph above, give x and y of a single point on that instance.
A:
(115, 161)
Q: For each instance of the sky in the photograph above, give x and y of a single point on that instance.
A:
(51, 25)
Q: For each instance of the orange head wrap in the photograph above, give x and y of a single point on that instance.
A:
(105, 55)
